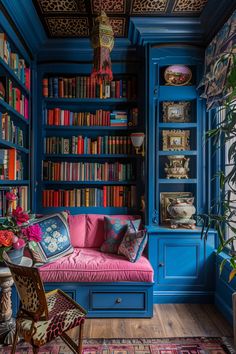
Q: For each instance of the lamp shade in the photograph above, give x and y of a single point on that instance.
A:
(137, 139)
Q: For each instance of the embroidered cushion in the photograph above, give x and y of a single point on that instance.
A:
(55, 239)
(133, 243)
(115, 230)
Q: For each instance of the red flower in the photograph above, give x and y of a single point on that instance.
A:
(6, 238)
(20, 216)
(33, 233)
(11, 196)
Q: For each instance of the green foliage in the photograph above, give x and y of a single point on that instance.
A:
(223, 213)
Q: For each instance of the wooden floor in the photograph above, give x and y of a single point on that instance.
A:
(169, 320)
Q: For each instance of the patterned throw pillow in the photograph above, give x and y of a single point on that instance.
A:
(115, 230)
(133, 243)
(55, 239)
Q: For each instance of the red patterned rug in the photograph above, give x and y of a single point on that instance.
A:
(137, 346)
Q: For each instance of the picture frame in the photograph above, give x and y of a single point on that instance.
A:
(176, 112)
(165, 202)
(175, 140)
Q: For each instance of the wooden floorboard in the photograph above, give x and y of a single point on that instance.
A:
(169, 320)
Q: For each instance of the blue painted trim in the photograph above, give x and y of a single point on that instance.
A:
(183, 297)
(7, 144)
(224, 308)
(89, 210)
(165, 30)
(177, 181)
(4, 106)
(15, 183)
(183, 152)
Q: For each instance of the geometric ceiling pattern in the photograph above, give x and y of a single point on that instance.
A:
(75, 18)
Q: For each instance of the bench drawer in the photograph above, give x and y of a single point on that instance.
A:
(118, 300)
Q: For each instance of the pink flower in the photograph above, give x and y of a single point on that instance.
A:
(33, 233)
(18, 244)
(20, 215)
(11, 196)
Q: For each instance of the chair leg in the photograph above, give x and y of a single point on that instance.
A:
(80, 340)
(13, 349)
(35, 350)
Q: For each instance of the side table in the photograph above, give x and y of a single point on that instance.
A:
(7, 322)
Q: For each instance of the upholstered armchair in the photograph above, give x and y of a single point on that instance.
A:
(42, 316)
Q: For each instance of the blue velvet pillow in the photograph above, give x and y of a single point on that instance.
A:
(55, 239)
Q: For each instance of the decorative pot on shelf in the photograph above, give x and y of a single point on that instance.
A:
(178, 167)
(181, 211)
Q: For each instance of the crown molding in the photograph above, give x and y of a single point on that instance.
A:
(145, 30)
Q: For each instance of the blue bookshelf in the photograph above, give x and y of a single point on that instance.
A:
(44, 130)
(18, 78)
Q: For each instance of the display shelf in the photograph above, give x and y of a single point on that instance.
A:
(91, 210)
(8, 71)
(8, 144)
(177, 180)
(177, 93)
(181, 152)
(7, 108)
(177, 125)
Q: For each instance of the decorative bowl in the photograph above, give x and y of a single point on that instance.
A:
(177, 75)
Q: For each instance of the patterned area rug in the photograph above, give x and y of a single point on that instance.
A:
(137, 346)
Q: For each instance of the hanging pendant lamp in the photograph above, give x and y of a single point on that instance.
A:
(102, 42)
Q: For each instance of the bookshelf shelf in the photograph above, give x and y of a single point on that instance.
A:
(100, 156)
(8, 144)
(4, 106)
(15, 182)
(89, 128)
(7, 70)
(183, 152)
(120, 183)
(92, 210)
(84, 101)
(177, 125)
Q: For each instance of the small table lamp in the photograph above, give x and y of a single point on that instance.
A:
(137, 140)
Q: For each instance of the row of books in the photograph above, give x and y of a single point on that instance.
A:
(15, 62)
(22, 199)
(9, 131)
(106, 196)
(58, 116)
(11, 166)
(88, 145)
(86, 87)
(14, 97)
(87, 171)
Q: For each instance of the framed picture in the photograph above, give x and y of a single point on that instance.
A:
(177, 75)
(176, 111)
(165, 202)
(175, 140)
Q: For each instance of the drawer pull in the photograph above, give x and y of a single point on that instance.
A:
(118, 300)
(161, 264)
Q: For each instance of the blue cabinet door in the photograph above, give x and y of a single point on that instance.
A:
(180, 262)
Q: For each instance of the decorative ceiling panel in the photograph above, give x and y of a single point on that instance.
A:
(189, 5)
(74, 18)
(52, 6)
(68, 26)
(109, 6)
(149, 6)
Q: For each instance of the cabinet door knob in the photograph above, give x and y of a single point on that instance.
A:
(155, 91)
(118, 300)
(161, 264)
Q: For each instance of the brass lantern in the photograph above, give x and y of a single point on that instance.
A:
(102, 42)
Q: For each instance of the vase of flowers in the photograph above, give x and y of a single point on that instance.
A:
(16, 231)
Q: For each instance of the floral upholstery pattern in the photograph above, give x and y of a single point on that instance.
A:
(55, 241)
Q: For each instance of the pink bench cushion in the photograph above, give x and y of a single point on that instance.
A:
(91, 265)
(87, 230)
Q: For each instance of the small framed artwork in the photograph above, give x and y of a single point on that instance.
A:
(175, 140)
(176, 112)
(165, 202)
